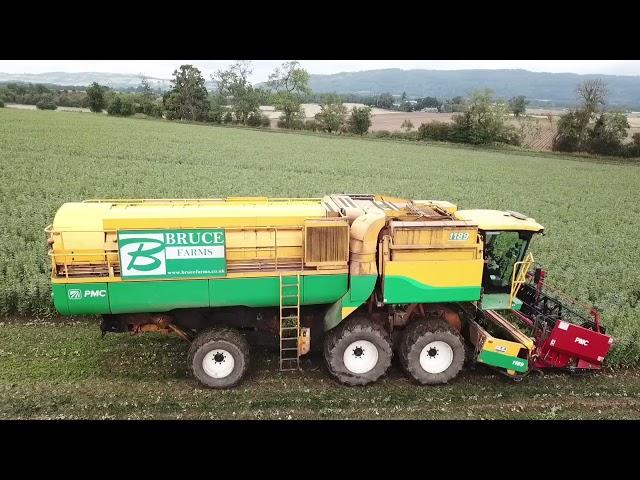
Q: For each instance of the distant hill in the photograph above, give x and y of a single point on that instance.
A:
(541, 89)
(113, 80)
(116, 81)
(548, 89)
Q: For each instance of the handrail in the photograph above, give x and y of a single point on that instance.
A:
(108, 253)
(519, 275)
(230, 200)
(49, 229)
(432, 246)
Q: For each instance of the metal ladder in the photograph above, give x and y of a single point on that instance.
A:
(289, 322)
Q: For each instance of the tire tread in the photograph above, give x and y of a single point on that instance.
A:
(227, 334)
(413, 333)
(352, 328)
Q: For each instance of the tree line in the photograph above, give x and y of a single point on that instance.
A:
(388, 101)
(42, 96)
(590, 128)
(234, 100)
(478, 119)
(483, 120)
(145, 100)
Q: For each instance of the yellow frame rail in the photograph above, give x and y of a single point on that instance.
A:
(274, 264)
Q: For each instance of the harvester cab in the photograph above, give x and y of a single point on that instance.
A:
(506, 237)
(502, 251)
(536, 327)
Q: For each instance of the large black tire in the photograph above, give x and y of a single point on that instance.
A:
(222, 340)
(417, 336)
(343, 336)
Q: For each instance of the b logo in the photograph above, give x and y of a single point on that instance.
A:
(142, 254)
(75, 294)
(153, 262)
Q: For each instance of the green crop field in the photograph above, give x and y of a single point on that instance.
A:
(591, 210)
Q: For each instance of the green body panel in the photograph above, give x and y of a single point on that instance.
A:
(250, 292)
(400, 289)
(161, 296)
(499, 301)
(360, 289)
(265, 291)
(333, 315)
(503, 361)
(318, 289)
(59, 295)
(158, 296)
(86, 298)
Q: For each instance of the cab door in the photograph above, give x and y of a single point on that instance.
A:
(503, 250)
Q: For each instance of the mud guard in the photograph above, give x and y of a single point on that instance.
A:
(359, 292)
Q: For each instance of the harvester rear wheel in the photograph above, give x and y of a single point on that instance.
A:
(358, 351)
(431, 351)
(219, 357)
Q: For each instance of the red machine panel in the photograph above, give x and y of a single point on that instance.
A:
(567, 341)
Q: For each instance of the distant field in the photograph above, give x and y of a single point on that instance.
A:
(61, 109)
(393, 121)
(310, 109)
(538, 136)
(590, 210)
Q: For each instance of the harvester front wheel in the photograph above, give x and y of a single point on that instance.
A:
(358, 352)
(219, 357)
(431, 351)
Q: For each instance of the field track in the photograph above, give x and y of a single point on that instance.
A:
(69, 372)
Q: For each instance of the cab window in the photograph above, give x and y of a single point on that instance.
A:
(502, 251)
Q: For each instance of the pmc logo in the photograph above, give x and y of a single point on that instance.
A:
(75, 294)
(142, 254)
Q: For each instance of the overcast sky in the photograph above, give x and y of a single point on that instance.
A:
(262, 68)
